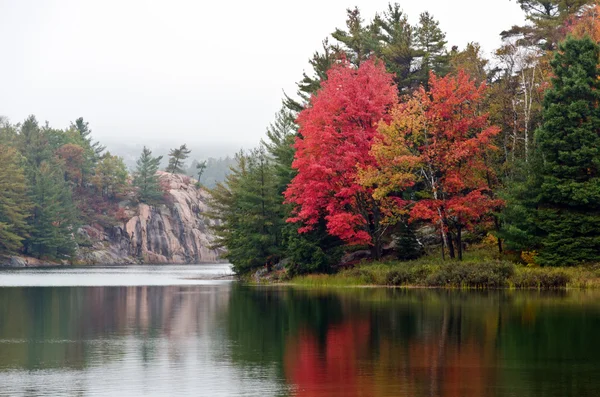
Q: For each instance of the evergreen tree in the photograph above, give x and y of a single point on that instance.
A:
(360, 41)
(14, 203)
(560, 201)
(247, 207)
(33, 144)
(54, 218)
(396, 36)
(8, 133)
(145, 178)
(545, 18)
(200, 168)
(176, 159)
(320, 63)
(92, 150)
(83, 127)
(430, 44)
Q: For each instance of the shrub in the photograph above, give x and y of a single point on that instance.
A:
(470, 275)
(541, 278)
(398, 277)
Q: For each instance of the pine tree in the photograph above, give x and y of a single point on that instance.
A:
(54, 219)
(145, 178)
(8, 132)
(559, 203)
(85, 132)
(14, 203)
(200, 168)
(360, 41)
(430, 43)
(320, 63)
(247, 207)
(396, 36)
(545, 18)
(176, 159)
(33, 144)
(92, 150)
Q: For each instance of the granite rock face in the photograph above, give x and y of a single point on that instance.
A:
(174, 232)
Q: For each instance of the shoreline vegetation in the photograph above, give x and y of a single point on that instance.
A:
(479, 269)
(469, 172)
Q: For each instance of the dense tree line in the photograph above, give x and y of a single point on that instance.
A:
(393, 132)
(55, 180)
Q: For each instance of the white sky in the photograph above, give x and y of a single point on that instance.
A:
(195, 71)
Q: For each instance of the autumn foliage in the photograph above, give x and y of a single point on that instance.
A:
(440, 139)
(336, 134)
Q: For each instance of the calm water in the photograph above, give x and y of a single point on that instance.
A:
(183, 330)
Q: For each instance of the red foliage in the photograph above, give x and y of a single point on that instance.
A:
(455, 142)
(337, 131)
(316, 371)
(73, 158)
(121, 215)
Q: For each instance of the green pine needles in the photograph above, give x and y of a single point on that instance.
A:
(555, 210)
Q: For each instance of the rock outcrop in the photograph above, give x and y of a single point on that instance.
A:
(174, 232)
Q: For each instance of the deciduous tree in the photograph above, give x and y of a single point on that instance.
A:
(439, 139)
(335, 136)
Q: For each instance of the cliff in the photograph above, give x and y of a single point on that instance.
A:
(174, 232)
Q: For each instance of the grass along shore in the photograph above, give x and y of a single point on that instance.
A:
(480, 269)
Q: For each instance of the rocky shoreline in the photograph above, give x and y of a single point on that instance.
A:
(176, 232)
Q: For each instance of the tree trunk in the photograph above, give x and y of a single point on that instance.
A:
(497, 225)
(451, 245)
(443, 245)
(459, 242)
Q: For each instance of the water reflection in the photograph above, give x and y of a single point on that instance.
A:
(421, 343)
(227, 339)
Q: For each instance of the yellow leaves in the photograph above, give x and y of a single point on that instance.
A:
(588, 24)
(395, 150)
(529, 257)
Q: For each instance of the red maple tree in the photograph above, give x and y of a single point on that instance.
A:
(336, 135)
(454, 142)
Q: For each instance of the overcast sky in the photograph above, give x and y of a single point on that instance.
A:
(195, 71)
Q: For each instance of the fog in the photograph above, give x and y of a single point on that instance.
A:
(207, 73)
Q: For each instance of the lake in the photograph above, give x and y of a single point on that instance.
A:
(185, 330)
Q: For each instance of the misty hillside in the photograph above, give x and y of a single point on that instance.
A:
(218, 157)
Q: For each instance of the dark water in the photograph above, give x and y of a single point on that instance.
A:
(89, 333)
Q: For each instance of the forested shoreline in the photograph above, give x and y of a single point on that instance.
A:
(399, 145)
(60, 184)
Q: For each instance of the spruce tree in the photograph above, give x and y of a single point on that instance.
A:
(145, 178)
(14, 203)
(558, 208)
(176, 159)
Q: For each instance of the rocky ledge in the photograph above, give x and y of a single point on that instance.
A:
(174, 232)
